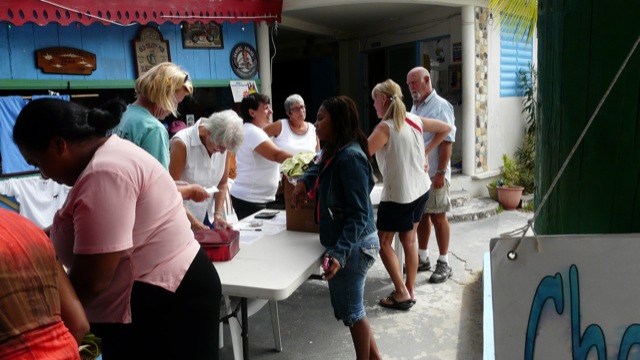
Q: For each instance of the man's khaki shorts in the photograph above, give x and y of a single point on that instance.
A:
(439, 201)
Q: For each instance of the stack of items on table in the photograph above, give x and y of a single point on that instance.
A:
(301, 219)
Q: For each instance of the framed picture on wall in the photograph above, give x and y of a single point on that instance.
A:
(202, 36)
(150, 49)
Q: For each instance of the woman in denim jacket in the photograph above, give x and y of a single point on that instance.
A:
(341, 181)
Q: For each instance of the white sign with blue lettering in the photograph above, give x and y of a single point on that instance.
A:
(575, 298)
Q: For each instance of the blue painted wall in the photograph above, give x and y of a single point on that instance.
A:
(113, 47)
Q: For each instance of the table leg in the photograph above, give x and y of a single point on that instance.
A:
(399, 250)
(275, 324)
(245, 328)
(235, 328)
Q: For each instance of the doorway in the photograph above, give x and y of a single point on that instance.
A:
(388, 63)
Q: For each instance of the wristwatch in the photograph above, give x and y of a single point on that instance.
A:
(441, 172)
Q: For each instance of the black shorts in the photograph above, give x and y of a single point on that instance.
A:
(394, 217)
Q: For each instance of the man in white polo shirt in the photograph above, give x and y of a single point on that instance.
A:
(427, 103)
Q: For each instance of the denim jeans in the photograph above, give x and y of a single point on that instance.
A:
(347, 286)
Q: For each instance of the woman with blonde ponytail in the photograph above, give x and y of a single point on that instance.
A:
(398, 145)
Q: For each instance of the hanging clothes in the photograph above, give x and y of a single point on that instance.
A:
(39, 198)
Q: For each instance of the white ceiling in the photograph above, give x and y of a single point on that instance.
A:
(353, 18)
(347, 18)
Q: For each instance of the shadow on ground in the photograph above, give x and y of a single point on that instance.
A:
(470, 331)
(445, 323)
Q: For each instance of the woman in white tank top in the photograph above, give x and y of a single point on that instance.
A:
(399, 148)
(257, 159)
(294, 134)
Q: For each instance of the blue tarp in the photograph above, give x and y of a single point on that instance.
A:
(10, 107)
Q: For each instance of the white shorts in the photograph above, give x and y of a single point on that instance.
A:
(439, 201)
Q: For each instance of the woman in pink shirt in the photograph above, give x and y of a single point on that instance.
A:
(148, 289)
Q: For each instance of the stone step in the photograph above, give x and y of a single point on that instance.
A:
(476, 209)
(464, 206)
(459, 198)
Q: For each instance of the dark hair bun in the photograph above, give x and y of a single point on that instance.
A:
(106, 116)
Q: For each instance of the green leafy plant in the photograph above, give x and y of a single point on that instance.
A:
(525, 161)
(510, 172)
(525, 154)
(527, 83)
(91, 347)
(529, 207)
(520, 16)
(492, 188)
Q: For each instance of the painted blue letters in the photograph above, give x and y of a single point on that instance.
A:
(551, 288)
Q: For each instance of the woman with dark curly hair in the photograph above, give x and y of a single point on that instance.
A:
(147, 287)
(341, 181)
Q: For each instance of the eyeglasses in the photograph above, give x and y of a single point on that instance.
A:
(299, 108)
(186, 78)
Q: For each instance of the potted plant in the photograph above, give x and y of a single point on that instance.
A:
(91, 347)
(510, 193)
(492, 188)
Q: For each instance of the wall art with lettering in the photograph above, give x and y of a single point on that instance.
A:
(150, 49)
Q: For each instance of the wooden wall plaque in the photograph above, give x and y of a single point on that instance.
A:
(64, 60)
(150, 49)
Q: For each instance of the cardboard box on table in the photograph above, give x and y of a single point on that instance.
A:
(301, 219)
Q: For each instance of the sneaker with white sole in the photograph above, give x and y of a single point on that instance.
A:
(424, 265)
(442, 272)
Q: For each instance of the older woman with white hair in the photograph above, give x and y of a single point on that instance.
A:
(200, 154)
(294, 134)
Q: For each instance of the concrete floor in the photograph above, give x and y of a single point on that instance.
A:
(446, 322)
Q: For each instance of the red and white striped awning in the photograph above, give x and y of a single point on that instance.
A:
(126, 12)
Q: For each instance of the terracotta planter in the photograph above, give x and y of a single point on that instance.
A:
(493, 192)
(509, 197)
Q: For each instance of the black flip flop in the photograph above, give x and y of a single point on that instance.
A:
(394, 292)
(392, 303)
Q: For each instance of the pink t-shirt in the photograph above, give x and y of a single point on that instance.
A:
(125, 200)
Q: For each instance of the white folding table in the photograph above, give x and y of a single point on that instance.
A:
(271, 268)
